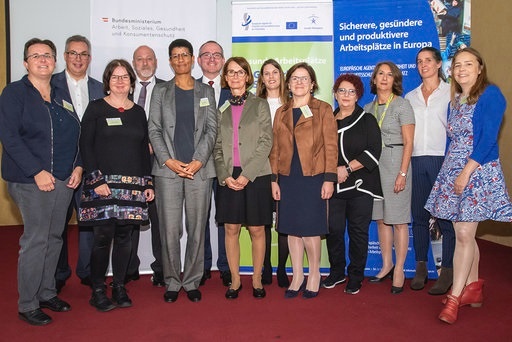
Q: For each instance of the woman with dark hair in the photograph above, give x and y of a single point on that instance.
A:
(395, 117)
(430, 103)
(470, 186)
(359, 148)
(271, 87)
(303, 160)
(118, 184)
(182, 129)
(41, 165)
(241, 153)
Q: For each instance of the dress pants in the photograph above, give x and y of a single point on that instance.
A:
(44, 215)
(85, 243)
(424, 174)
(173, 196)
(357, 213)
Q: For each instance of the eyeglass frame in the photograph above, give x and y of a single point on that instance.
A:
(75, 54)
(209, 55)
(36, 56)
(302, 79)
(345, 92)
(240, 73)
(177, 56)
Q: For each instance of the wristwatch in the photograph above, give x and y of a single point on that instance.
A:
(401, 173)
(349, 169)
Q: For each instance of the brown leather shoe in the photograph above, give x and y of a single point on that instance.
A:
(421, 276)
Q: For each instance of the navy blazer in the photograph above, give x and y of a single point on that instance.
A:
(60, 82)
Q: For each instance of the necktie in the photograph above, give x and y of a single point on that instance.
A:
(142, 96)
(210, 83)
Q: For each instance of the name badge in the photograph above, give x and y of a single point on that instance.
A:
(114, 122)
(224, 106)
(306, 111)
(67, 105)
(204, 102)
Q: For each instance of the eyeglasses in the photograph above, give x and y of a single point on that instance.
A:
(296, 79)
(346, 92)
(75, 54)
(125, 77)
(182, 55)
(37, 56)
(209, 55)
(239, 73)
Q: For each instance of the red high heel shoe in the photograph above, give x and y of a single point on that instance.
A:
(450, 310)
(472, 294)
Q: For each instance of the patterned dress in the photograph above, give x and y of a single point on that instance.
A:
(485, 196)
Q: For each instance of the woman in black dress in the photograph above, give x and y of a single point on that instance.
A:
(115, 150)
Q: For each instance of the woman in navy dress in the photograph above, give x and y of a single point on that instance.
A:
(304, 158)
(470, 186)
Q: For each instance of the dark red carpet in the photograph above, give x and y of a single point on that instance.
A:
(373, 314)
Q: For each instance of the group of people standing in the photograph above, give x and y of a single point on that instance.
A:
(148, 151)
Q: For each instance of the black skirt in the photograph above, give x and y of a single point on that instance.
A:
(251, 206)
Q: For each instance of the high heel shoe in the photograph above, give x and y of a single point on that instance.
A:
(375, 279)
(472, 295)
(450, 310)
(398, 289)
(307, 294)
(294, 293)
(232, 293)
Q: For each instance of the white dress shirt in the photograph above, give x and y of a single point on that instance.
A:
(431, 118)
(149, 91)
(216, 87)
(79, 93)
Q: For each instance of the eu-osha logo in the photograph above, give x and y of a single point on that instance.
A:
(247, 21)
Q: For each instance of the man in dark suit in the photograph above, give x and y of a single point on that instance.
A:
(77, 89)
(145, 63)
(211, 60)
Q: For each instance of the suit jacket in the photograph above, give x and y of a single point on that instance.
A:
(94, 87)
(255, 140)
(162, 122)
(316, 139)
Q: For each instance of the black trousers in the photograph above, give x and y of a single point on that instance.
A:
(103, 236)
(357, 213)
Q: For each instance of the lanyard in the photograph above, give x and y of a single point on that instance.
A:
(383, 115)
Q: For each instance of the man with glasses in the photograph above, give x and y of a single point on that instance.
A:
(145, 63)
(77, 89)
(211, 60)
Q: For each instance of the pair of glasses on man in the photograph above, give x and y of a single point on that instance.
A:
(75, 54)
(209, 55)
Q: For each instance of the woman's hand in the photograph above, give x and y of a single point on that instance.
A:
(242, 181)
(233, 184)
(149, 194)
(327, 190)
(276, 191)
(103, 190)
(75, 178)
(399, 183)
(342, 174)
(45, 181)
(460, 183)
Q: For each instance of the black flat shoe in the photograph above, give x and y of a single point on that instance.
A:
(171, 296)
(232, 293)
(100, 301)
(35, 317)
(55, 304)
(258, 293)
(379, 280)
(194, 295)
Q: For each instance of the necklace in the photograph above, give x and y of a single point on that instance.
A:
(383, 115)
(238, 100)
(120, 108)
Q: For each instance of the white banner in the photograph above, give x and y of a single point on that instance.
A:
(117, 28)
